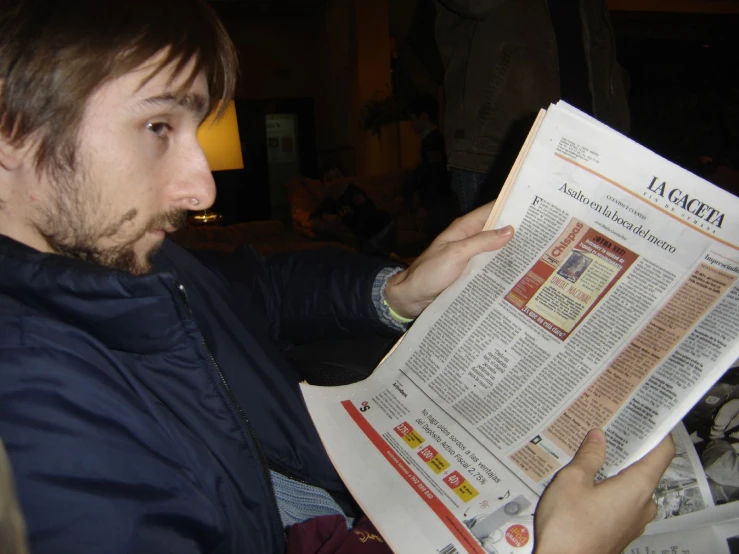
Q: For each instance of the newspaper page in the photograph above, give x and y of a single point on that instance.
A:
(615, 305)
(719, 538)
(698, 497)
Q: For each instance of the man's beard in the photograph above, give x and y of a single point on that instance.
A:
(72, 226)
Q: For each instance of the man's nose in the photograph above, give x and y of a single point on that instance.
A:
(197, 189)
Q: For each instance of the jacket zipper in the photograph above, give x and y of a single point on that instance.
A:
(264, 462)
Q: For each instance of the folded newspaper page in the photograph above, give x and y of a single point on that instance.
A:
(698, 496)
(615, 305)
(719, 538)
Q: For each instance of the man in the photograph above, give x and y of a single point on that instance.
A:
(503, 61)
(144, 404)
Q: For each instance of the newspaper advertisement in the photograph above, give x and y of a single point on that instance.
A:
(615, 305)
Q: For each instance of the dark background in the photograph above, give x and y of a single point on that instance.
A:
(309, 56)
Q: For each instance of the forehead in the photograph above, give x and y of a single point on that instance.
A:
(151, 83)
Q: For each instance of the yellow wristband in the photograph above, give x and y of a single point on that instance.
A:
(396, 316)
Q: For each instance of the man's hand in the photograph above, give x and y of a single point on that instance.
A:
(12, 525)
(410, 291)
(577, 515)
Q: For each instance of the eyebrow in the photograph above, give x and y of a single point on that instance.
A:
(194, 103)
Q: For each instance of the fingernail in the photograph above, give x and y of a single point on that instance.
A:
(505, 231)
(595, 435)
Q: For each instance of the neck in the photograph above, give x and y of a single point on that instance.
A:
(16, 217)
(25, 235)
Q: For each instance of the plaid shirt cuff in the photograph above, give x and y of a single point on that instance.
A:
(378, 299)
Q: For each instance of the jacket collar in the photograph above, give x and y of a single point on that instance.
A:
(131, 313)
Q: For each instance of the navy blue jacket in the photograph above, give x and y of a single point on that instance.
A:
(142, 414)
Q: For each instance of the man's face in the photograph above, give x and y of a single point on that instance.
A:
(418, 122)
(138, 169)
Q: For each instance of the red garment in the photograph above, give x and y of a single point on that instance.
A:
(329, 535)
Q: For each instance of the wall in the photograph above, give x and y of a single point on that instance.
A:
(279, 57)
(339, 56)
(336, 112)
(375, 154)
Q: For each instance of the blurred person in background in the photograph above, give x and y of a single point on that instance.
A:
(427, 187)
(506, 59)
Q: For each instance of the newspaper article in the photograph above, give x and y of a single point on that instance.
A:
(615, 305)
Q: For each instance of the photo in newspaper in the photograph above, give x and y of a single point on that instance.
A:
(559, 298)
(698, 496)
(713, 427)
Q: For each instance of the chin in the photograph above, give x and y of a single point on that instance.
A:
(157, 234)
(138, 261)
(145, 262)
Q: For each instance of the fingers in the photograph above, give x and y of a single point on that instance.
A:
(469, 224)
(484, 241)
(652, 466)
(641, 478)
(591, 454)
(650, 513)
(602, 517)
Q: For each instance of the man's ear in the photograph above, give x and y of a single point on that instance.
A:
(11, 155)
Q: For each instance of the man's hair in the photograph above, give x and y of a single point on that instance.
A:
(424, 103)
(55, 54)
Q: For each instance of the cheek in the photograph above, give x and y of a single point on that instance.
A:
(151, 184)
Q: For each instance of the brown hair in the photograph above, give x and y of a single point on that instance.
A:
(54, 55)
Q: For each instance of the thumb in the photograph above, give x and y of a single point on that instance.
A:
(484, 241)
(591, 454)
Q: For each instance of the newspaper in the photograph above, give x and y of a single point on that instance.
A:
(615, 305)
(720, 538)
(698, 496)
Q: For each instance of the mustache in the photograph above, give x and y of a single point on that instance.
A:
(169, 221)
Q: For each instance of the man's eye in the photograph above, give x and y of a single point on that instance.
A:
(160, 129)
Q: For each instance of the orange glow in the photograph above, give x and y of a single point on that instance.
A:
(220, 141)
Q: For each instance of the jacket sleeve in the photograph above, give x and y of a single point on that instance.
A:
(325, 294)
(472, 9)
(307, 295)
(86, 479)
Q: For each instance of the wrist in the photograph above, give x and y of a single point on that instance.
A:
(395, 299)
(396, 316)
(387, 316)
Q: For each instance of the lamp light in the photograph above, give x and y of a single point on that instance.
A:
(220, 141)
